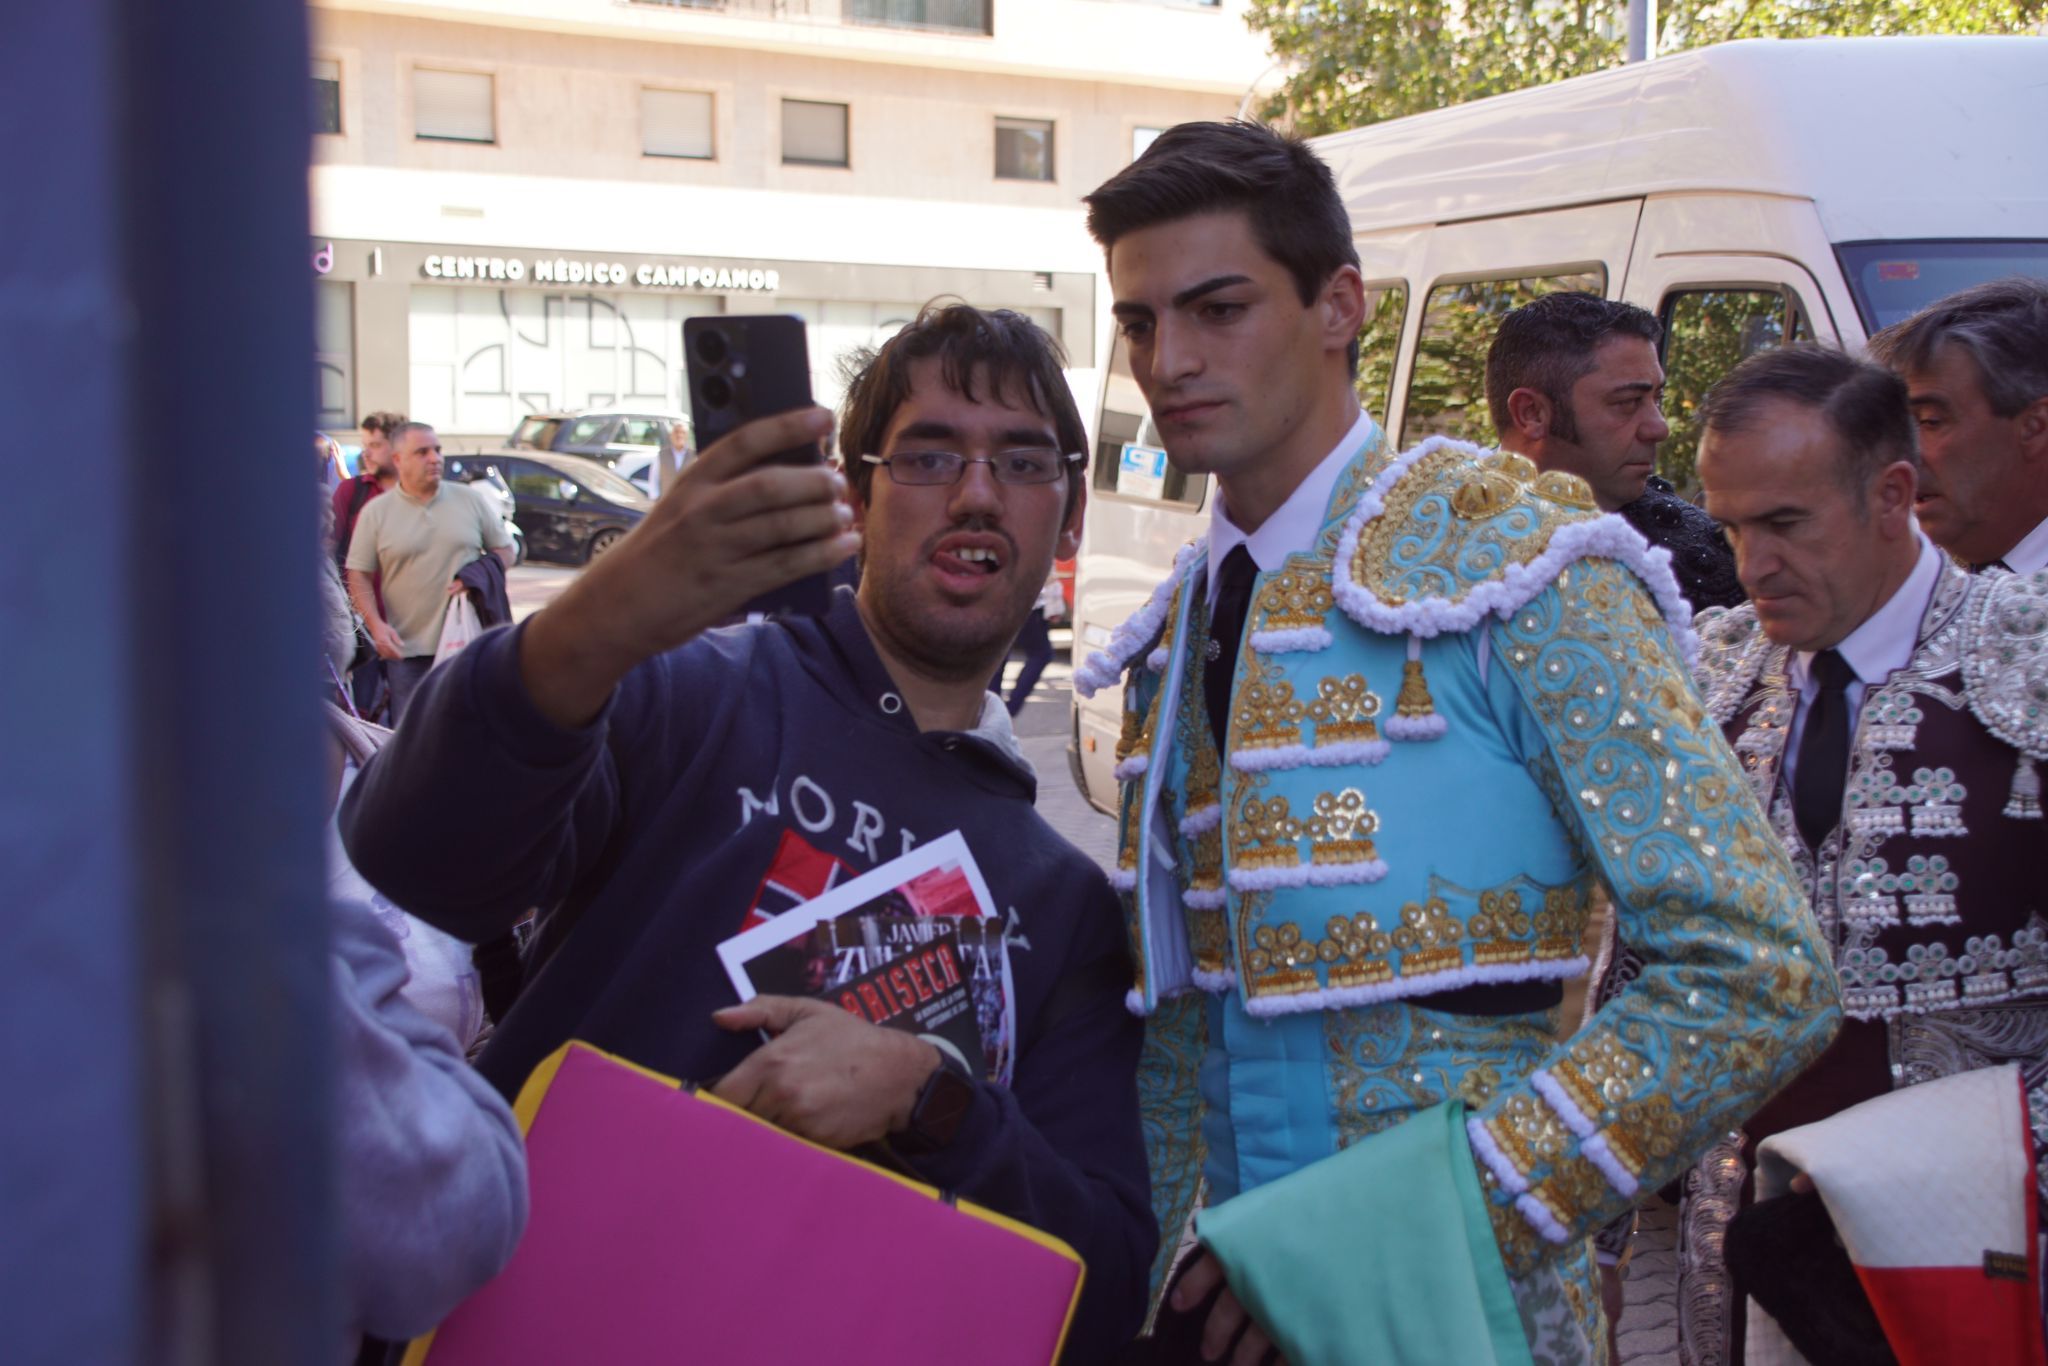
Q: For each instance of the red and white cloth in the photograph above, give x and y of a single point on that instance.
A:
(1932, 1192)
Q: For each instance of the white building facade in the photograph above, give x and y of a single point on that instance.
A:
(515, 203)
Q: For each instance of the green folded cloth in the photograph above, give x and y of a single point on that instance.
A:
(1380, 1254)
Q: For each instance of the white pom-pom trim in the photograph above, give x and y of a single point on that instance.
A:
(1293, 640)
(1205, 898)
(1605, 537)
(1600, 1155)
(1106, 666)
(1133, 767)
(1216, 983)
(1539, 1216)
(1567, 1110)
(1202, 820)
(1496, 1161)
(1344, 998)
(1430, 727)
(1337, 755)
(1156, 661)
(1307, 875)
(1124, 879)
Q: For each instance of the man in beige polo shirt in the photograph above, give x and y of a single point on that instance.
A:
(417, 537)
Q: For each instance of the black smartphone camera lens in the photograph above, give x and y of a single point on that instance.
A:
(712, 348)
(716, 389)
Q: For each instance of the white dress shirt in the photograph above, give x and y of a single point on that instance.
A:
(2030, 556)
(1295, 524)
(1876, 650)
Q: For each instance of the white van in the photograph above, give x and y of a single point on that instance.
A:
(1745, 194)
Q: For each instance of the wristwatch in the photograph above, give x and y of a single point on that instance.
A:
(936, 1115)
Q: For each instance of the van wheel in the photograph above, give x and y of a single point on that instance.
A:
(605, 540)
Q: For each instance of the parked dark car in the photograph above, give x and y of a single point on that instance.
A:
(570, 508)
(630, 441)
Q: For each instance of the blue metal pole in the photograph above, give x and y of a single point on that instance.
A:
(165, 1178)
(72, 1188)
(216, 101)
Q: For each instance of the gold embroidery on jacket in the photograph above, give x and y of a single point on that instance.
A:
(1343, 711)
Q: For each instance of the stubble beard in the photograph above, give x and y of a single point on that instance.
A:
(942, 646)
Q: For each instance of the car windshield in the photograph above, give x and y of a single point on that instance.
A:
(586, 430)
(537, 433)
(600, 480)
(1894, 280)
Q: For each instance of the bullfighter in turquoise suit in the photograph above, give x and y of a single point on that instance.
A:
(1461, 715)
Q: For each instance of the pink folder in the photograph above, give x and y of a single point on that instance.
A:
(669, 1226)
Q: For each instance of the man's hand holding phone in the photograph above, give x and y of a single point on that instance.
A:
(734, 525)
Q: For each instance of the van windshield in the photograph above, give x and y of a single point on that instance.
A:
(1894, 280)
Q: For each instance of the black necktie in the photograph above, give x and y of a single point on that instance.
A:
(1226, 624)
(1823, 751)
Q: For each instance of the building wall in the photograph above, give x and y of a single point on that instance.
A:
(570, 106)
(917, 212)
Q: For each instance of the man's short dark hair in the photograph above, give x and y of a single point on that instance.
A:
(1548, 346)
(384, 424)
(2003, 325)
(1011, 354)
(1279, 184)
(1864, 404)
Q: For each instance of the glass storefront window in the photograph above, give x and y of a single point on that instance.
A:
(483, 359)
(334, 354)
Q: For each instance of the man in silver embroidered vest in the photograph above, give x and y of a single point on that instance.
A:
(1885, 705)
(1976, 370)
(1386, 728)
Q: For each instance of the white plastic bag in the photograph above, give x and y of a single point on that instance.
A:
(459, 626)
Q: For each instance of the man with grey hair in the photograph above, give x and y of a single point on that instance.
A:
(1877, 694)
(416, 539)
(1976, 370)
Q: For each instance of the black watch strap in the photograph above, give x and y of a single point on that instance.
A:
(941, 1107)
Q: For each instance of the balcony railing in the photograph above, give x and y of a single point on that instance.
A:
(933, 16)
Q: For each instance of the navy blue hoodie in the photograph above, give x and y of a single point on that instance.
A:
(720, 782)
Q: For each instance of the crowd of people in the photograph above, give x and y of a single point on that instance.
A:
(1411, 739)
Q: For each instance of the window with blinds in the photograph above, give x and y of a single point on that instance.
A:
(452, 106)
(813, 133)
(676, 123)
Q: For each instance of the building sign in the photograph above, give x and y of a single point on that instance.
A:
(560, 270)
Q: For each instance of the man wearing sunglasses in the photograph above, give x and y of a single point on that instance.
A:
(655, 786)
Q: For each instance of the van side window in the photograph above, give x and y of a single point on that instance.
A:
(1129, 461)
(1447, 391)
(1379, 342)
(1706, 331)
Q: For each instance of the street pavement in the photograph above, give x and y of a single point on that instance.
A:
(1648, 1333)
(533, 585)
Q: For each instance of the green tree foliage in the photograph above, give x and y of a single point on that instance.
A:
(1708, 331)
(1354, 62)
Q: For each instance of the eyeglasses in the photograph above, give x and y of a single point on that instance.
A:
(1025, 465)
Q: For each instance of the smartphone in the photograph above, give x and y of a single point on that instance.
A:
(742, 367)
